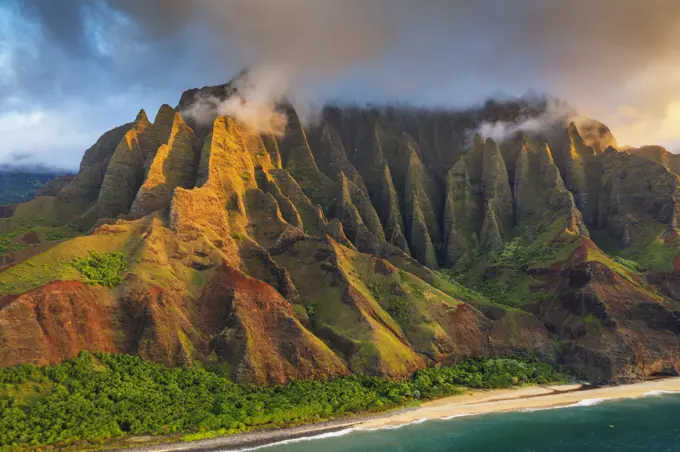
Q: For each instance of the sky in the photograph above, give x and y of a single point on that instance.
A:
(72, 69)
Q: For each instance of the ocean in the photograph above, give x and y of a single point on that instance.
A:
(651, 424)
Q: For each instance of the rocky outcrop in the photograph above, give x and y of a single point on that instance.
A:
(636, 193)
(658, 154)
(174, 165)
(462, 215)
(54, 323)
(497, 197)
(582, 171)
(312, 216)
(596, 135)
(226, 171)
(421, 245)
(541, 198)
(299, 161)
(258, 334)
(354, 208)
(156, 325)
(421, 202)
(102, 151)
(125, 172)
(611, 327)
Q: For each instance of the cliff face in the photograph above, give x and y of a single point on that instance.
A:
(341, 247)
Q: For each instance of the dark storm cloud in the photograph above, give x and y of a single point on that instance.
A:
(63, 23)
(618, 60)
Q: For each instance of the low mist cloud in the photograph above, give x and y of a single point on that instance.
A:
(556, 113)
(255, 102)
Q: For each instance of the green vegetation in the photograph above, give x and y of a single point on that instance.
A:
(594, 320)
(12, 240)
(501, 277)
(95, 398)
(657, 253)
(401, 311)
(550, 247)
(310, 308)
(104, 269)
(238, 236)
(56, 262)
(447, 283)
(507, 286)
(504, 277)
(656, 249)
(629, 264)
(398, 306)
(8, 242)
(61, 233)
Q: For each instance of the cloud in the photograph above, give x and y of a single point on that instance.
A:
(555, 113)
(255, 102)
(615, 60)
(291, 47)
(34, 137)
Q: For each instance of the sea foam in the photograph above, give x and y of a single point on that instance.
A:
(297, 440)
(394, 427)
(587, 402)
(448, 418)
(582, 403)
(659, 392)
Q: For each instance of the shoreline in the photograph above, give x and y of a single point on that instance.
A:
(472, 404)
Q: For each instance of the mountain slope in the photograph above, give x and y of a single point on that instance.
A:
(342, 247)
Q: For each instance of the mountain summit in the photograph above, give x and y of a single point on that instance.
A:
(378, 241)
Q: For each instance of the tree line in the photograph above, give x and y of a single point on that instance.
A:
(98, 397)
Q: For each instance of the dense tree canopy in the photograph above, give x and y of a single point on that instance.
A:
(99, 397)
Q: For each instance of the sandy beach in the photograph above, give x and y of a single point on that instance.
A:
(472, 403)
(520, 399)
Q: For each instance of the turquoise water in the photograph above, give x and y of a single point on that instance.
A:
(648, 424)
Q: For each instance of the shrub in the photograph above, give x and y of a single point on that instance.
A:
(401, 310)
(514, 252)
(104, 269)
(629, 264)
(237, 236)
(310, 308)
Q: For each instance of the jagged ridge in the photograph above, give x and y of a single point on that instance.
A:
(312, 254)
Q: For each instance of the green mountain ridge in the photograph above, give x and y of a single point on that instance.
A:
(375, 242)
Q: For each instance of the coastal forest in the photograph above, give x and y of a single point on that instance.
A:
(96, 398)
